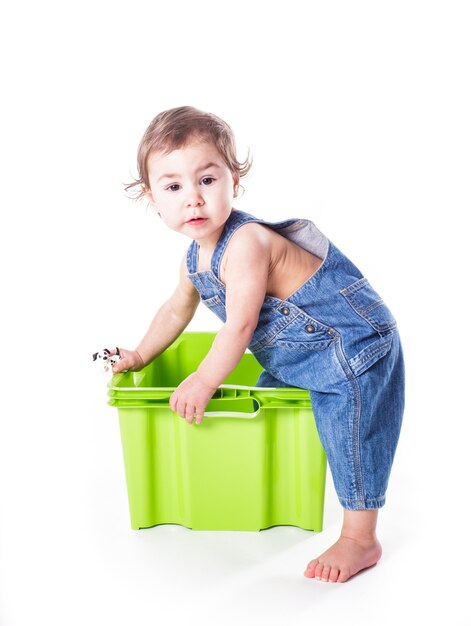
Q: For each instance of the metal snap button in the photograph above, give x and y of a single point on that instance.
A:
(310, 328)
(285, 310)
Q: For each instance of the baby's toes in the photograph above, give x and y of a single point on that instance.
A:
(325, 573)
(318, 572)
(334, 574)
(311, 568)
(344, 575)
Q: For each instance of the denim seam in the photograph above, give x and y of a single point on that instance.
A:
(306, 345)
(351, 289)
(364, 500)
(355, 388)
(378, 502)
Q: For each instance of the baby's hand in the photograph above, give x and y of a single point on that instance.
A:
(191, 397)
(130, 361)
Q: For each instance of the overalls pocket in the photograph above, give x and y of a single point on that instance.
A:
(369, 355)
(367, 303)
(305, 333)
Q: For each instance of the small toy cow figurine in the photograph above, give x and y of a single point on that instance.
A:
(107, 359)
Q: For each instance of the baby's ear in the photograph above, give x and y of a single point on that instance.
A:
(150, 199)
(147, 193)
(236, 185)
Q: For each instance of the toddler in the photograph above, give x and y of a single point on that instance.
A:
(286, 292)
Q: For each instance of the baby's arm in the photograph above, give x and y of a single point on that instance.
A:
(246, 278)
(169, 322)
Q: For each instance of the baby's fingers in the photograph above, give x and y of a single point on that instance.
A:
(129, 360)
(174, 402)
(121, 366)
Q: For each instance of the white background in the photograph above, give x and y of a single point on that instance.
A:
(357, 115)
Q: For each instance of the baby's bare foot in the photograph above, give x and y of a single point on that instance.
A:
(344, 559)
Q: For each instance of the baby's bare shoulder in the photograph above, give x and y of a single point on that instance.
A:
(252, 233)
(250, 243)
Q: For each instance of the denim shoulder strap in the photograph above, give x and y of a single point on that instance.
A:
(192, 258)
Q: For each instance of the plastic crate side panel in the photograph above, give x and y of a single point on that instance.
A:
(298, 467)
(135, 425)
(227, 478)
(203, 477)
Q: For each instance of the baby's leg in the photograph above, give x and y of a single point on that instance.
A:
(359, 431)
(356, 549)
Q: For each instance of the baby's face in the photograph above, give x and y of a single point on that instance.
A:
(192, 189)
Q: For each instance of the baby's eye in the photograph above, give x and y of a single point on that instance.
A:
(207, 180)
(174, 187)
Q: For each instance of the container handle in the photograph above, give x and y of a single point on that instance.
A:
(235, 414)
(235, 392)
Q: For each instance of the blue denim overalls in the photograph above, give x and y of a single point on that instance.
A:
(335, 337)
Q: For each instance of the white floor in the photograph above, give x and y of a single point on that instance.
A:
(69, 556)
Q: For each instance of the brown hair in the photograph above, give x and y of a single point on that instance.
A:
(176, 128)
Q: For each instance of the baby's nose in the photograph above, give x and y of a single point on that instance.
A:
(194, 198)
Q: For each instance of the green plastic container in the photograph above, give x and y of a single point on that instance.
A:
(254, 462)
